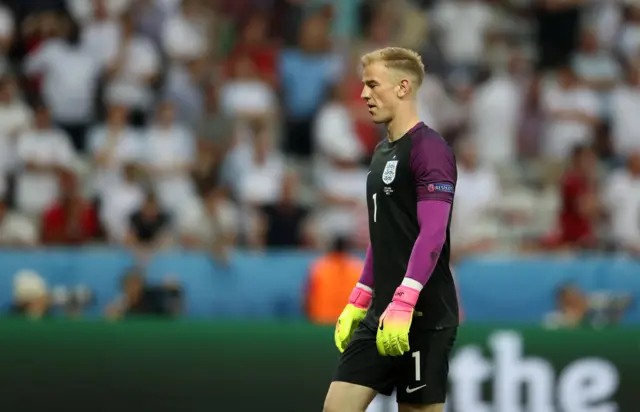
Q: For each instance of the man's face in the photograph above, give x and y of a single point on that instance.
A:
(381, 92)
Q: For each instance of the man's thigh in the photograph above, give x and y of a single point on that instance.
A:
(348, 397)
(361, 364)
(422, 373)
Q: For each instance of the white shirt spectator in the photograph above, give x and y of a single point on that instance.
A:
(562, 134)
(101, 39)
(183, 38)
(477, 192)
(15, 118)
(597, 67)
(186, 95)
(335, 135)
(625, 119)
(16, 229)
(7, 24)
(605, 17)
(38, 189)
(70, 80)
(125, 147)
(435, 107)
(207, 226)
(169, 151)
(123, 200)
(629, 40)
(344, 184)
(495, 116)
(253, 97)
(130, 88)
(83, 10)
(257, 183)
(463, 25)
(623, 202)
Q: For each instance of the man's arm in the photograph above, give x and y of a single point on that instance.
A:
(434, 170)
(366, 278)
(433, 217)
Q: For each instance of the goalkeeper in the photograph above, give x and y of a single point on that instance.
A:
(399, 326)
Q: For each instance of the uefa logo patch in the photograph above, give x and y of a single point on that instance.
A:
(389, 172)
(440, 187)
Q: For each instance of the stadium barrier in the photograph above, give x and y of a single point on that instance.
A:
(144, 365)
(493, 289)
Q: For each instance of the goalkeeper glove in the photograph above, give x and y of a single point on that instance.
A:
(351, 316)
(392, 338)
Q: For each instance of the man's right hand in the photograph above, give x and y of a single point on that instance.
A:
(352, 315)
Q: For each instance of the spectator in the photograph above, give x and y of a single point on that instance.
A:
(184, 35)
(572, 311)
(70, 220)
(581, 207)
(595, 66)
(284, 224)
(623, 202)
(217, 127)
(149, 226)
(572, 112)
(335, 134)
(305, 73)
(7, 32)
(70, 82)
(185, 88)
(101, 33)
(625, 106)
(83, 11)
(206, 168)
(43, 152)
(132, 72)
(464, 26)
(30, 296)
(255, 169)
(255, 45)
(576, 308)
(212, 225)
(16, 230)
(113, 145)
(495, 111)
(474, 228)
(245, 94)
(15, 118)
(331, 281)
(169, 158)
(141, 299)
(629, 35)
(125, 196)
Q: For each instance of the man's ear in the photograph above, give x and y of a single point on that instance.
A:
(404, 88)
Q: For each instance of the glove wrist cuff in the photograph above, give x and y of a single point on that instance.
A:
(361, 297)
(407, 295)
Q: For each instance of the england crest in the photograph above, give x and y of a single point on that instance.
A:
(389, 172)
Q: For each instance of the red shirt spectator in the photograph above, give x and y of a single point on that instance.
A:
(71, 220)
(254, 44)
(579, 200)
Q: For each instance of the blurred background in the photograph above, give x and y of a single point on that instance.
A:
(203, 161)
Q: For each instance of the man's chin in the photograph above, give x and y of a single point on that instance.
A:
(378, 120)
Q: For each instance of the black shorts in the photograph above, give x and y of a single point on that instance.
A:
(419, 377)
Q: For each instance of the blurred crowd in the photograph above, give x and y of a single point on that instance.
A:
(222, 123)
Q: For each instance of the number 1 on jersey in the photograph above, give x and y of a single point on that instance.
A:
(375, 207)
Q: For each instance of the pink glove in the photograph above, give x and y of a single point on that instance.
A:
(393, 332)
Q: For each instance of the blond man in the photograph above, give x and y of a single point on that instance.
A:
(399, 326)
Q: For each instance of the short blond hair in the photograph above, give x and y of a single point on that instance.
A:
(397, 58)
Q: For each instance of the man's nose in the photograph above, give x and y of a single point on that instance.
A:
(365, 93)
